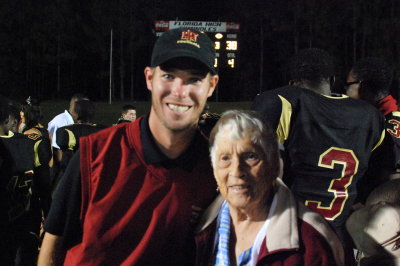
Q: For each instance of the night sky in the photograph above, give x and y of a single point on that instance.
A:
(53, 48)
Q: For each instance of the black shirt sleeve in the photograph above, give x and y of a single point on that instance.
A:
(63, 219)
(62, 138)
(269, 105)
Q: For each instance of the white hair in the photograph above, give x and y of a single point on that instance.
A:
(240, 124)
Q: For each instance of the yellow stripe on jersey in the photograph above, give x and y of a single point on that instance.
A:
(396, 113)
(284, 122)
(71, 140)
(380, 140)
(36, 151)
(336, 97)
(10, 135)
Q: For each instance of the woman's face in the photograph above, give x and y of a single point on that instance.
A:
(22, 115)
(240, 170)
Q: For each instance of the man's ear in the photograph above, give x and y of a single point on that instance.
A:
(148, 74)
(213, 84)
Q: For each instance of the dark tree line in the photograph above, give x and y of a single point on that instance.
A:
(52, 48)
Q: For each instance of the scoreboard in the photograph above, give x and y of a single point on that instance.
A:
(225, 36)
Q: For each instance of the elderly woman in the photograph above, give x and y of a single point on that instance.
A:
(257, 221)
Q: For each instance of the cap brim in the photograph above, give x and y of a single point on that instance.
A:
(177, 53)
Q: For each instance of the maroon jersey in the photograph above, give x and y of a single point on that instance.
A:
(328, 143)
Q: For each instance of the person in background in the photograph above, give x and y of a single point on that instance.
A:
(258, 221)
(68, 117)
(369, 80)
(127, 197)
(20, 214)
(128, 114)
(31, 116)
(328, 138)
(208, 120)
(68, 136)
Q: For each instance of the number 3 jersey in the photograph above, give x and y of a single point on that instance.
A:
(328, 142)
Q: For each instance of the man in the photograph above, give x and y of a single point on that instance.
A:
(370, 80)
(19, 205)
(128, 114)
(328, 138)
(63, 119)
(68, 136)
(139, 181)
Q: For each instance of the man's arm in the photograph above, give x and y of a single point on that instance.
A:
(52, 128)
(62, 225)
(51, 251)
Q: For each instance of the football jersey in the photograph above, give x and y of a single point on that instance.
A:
(68, 136)
(16, 180)
(328, 142)
(68, 139)
(42, 156)
(42, 148)
(392, 124)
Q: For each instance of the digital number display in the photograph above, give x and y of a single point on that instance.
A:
(226, 47)
(231, 45)
(231, 62)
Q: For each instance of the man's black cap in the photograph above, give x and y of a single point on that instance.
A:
(184, 42)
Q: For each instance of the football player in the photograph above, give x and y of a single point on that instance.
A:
(328, 138)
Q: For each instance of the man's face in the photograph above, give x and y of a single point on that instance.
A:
(129, 115)
(352, 90)
(178, 96)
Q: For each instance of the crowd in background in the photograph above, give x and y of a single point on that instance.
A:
(33, 159)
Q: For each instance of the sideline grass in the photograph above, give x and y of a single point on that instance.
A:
(107, 114)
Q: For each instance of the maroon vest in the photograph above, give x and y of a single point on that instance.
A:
(133, 213)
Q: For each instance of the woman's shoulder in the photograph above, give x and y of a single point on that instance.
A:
(314, 229)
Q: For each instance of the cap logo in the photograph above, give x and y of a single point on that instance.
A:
(189, 37)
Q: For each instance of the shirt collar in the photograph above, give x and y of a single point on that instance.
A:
(153, 155)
